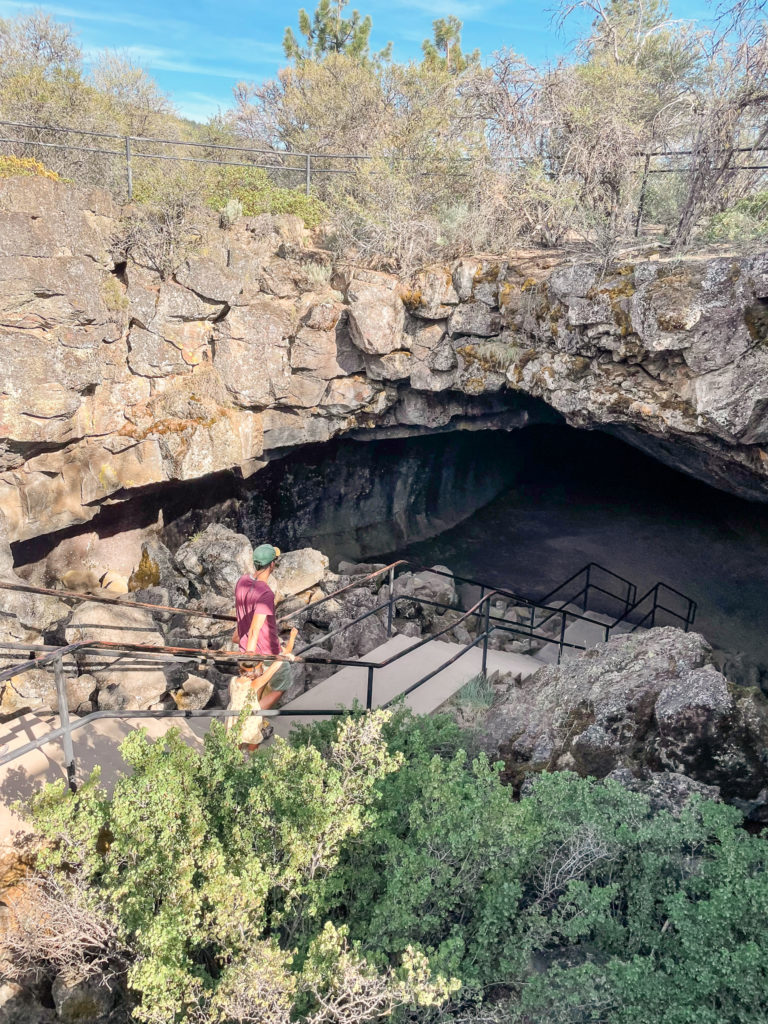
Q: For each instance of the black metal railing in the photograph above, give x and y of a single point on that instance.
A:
(644, 612)
(587, 582)
(578, 587)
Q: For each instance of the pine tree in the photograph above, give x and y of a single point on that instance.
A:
(445, 46)
(328, 32)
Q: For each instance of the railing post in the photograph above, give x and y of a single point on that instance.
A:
(485, 637)
(69, 753)
(562, 637)
(128, 168)
(369, 697)
(391, 599)
(308, 173)
(586, 588)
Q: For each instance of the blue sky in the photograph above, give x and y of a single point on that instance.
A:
(198, 50)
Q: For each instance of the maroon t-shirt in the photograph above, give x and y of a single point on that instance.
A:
(254, 597)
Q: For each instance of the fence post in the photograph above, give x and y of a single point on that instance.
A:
(128, 168)
(308, 173)
(369, 698)
(391, 600)
(69, 753)
(641, 201)
(586, 588)
(485, 638)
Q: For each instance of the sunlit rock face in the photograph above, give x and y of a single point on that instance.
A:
(116, 382)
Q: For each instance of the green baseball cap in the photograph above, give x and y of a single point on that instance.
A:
(264, 554)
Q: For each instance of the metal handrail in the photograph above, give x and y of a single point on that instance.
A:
(587, 569)
(687, 619)
(122, 600)
(492, 623)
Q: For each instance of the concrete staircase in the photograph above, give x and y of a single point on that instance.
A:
(98, 742)
(350, 684)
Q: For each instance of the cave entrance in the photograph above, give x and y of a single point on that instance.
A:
(525, 510)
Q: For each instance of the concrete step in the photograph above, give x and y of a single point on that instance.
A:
(350, 684)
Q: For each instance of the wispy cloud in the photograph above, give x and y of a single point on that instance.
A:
(160, 58)
(463, 9)
(197, 105)
(84, 14)
(257, 49)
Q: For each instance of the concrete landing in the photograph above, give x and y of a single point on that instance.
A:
(581, 632)
(350, 684)
(96, 743)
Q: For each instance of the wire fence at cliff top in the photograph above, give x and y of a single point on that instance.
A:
(114, 163)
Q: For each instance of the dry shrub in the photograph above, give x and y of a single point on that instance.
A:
(55, 927)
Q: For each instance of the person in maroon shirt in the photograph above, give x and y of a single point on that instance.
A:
(256, 622)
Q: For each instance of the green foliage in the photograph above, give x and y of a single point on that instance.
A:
(444, 49)
(746, 220)
(476, 693)
(358, 869)
(328, 32)
(256, 193)
(210, 863)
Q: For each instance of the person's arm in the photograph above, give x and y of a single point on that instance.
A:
(253, 633)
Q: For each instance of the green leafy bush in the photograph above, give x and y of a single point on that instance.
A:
(252, 188)
(370, 868)
(746, 220)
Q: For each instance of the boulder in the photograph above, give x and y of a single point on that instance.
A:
(359, 639)
(251, 352)
(123, 680)
(23, 616)
(327, 613)
(667, 791)
(18, 1006)
(475, 318)
(376, 315)
(463, 278)
(393, 366)
(299, 570)
(427, 585)
(327, 353)
(215, 559)
(157, 596)
(648, 702)
(432, 295)
(82, 1002)
(35, 690)
(193, 694)
(357, 569)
